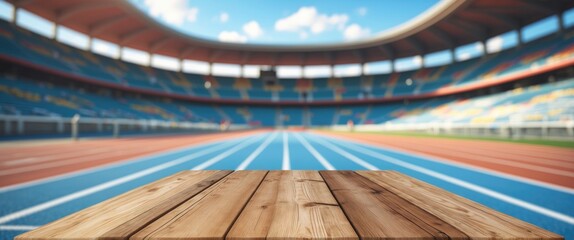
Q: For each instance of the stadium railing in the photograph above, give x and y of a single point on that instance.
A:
(511, 130)
(17, 126)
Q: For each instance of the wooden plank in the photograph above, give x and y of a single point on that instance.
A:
(208, 215)
(119, 217)
(292, 205)
(475, 220)
(379, 214)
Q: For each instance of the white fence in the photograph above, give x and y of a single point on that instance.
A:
(550, 130)
(11, 125)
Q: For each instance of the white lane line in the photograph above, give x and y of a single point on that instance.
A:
(473, 168)
(314, 152)
(464, 184)
(225, 154)
(346, 154)
(128, 161)
(256, 153)
(109, 184)
(17, 227)
(286, 165)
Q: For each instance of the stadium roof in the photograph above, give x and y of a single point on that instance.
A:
(449, 24)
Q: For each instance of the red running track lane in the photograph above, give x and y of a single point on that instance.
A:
(548, 164)
(19, 164)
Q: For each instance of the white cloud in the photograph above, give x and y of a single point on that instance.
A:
(494, 44)
(223, 17)
(252, 29)
(354, 31)
(362, 11)
(172, 11)
(232, 36)
(308, 18)
(303, 35)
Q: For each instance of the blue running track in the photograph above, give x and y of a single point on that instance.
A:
(24, 207)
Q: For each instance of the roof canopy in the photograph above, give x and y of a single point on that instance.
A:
(449, 24)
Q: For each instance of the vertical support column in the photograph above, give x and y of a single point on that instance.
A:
(484, 50)
(99, 126)
(570, 127)
(90, 42)
(363, 71)
(452, 55)
(332, 71)
(150, 60)
(116, 129)
(181, 65)
(560, 16)
(74, 126)
(15, 14)
(60, 126)
(519, 36)
(7, 126)
(302, 71)
(423, 61)
(392, 61)
(55, 31)
(210, 69)
(20, 126)
(120, 52)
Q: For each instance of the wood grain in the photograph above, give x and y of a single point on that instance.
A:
(475, 220)
(121, 216)
(377, 213)
(292, 205)
(208, 215)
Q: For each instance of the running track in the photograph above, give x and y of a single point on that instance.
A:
(39, 184)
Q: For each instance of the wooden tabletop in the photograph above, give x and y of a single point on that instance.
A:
(288, 205)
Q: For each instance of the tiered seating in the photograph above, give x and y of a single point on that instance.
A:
(33, 48)
(549, 102)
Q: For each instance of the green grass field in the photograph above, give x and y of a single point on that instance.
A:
(554, 143)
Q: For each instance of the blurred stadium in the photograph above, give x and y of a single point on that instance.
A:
(78, 127)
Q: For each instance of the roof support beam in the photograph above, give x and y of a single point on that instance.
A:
(67, 13)
(510, 22)
(539, 6)
(245, 57)
(359, 55)
(154, 46)
(471, 29)
(386, 51)
(214, 55)
(415, 44)
(128, 37)
(303, 58)
(105, 25)
(185, 51)
(441, 36)
(329, 57)
(22, 3)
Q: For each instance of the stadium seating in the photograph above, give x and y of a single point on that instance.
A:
(29, 47)
(547, 102)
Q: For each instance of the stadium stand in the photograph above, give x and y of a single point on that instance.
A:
(546, 102)
(35, 49)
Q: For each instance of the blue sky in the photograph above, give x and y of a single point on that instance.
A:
(283, 22)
